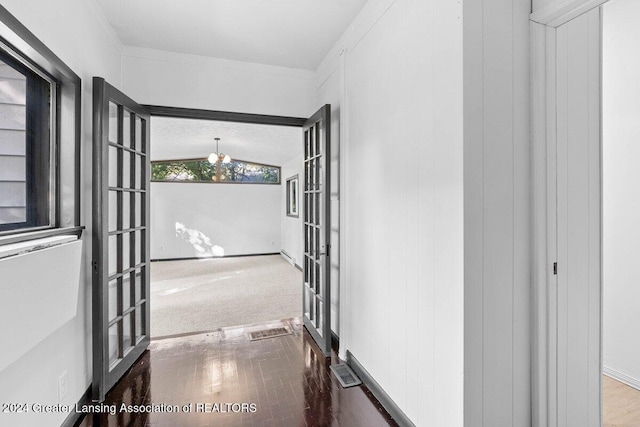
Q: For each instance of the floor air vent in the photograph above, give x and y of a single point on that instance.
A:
(345, 375)
(268, 333)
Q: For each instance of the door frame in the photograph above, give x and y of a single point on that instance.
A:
(265, 119)
(543, 25)
(224, 116)
(228, 116)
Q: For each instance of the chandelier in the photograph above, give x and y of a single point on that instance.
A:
(217, 156)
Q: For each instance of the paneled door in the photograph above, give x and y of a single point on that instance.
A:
(316, 298)
(576, 291)
(120, 235)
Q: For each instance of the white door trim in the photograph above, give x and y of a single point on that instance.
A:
(543, 141)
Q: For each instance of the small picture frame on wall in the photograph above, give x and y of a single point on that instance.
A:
(293, 200)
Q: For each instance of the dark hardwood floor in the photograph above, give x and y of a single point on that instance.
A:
(230, 381)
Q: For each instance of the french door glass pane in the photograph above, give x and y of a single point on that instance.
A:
(113, 122)
(113, 166)
(138, 237)
(137, 143)
(139, 293)
(113, 211)
(126, 129)
(126, 292)
(140, 320)
(126, 168)
(126, 332)
(113, 255)
(138, 165)
(113, 299)
(125, 210)
(126, 261)
(113, 344)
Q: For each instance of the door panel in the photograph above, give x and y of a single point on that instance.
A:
(316, 287)
(577, 291)
(120, 235)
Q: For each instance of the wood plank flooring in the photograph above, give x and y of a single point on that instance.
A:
(282, 381)
(621, 404)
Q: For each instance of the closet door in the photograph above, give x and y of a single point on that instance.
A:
(577, 292)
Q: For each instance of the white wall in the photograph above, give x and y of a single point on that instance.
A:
(403, 241)
(330, 92)
(621, 190)
(202, 220)
(190, 81)
(76, 32)
(291, 227)
(402, 192)
(496, 206)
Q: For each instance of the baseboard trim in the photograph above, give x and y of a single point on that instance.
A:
(74, 417)
(212, 257)
(623, 378)
(290, 259)
(384, 399)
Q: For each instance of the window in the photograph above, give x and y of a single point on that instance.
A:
(200, 170)
(26, 154)
(292, 196)
(40, 135)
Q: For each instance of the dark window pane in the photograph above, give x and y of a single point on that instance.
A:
(25, 143)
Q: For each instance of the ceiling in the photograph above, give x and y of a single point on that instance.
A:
(289, 33)
(173, 139)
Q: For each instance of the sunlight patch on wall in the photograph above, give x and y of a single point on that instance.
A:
(202, 245)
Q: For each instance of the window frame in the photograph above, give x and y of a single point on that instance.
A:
(291, 190)
(65, 132)
(23, 66)
(185, 181)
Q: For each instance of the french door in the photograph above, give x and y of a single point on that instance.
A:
(316, 289)
(120, 235)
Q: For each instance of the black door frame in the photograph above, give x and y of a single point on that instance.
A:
(224, 116)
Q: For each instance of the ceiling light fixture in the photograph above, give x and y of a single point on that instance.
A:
(217, 156)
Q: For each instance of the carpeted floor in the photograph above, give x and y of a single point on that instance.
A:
(203, 295)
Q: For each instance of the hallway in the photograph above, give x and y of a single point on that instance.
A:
(414, 221)
(285, 377)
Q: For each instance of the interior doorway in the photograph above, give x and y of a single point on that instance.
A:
(226, 249)
(122, 249)
(584, 195)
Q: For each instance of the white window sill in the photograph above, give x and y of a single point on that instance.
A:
(20, 248)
